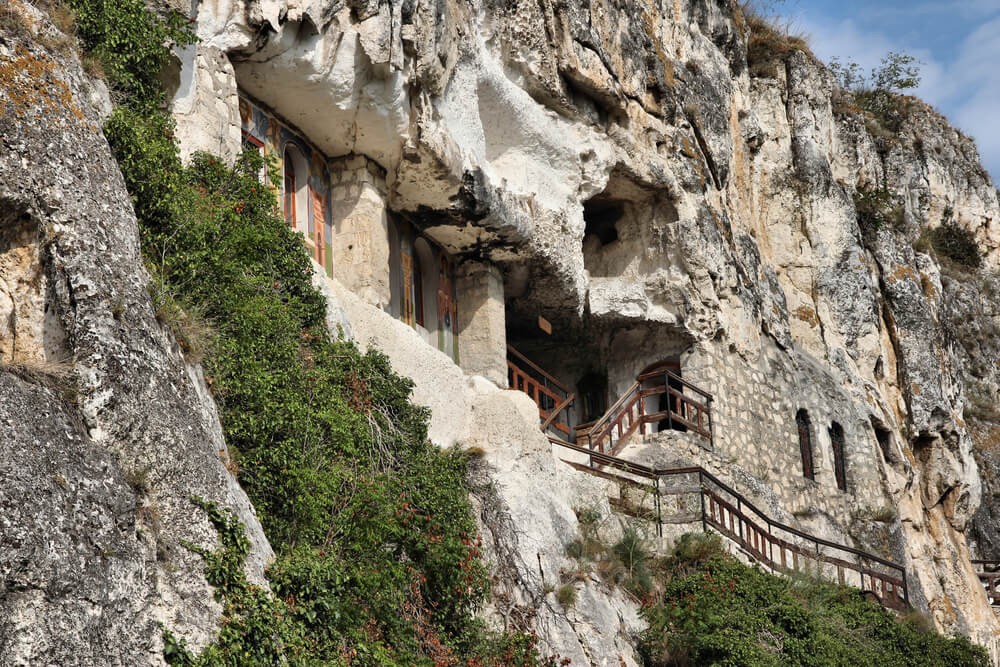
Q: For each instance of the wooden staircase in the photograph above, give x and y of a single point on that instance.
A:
(687, 405)
(553, 398)
(989, 576)
(692, 495)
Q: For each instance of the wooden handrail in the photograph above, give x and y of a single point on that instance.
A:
(988, 572)
(599, 424)
(677, 378)
(533, 366)
(693, 414)
(755, 536)
(556, 410)
(539, 389)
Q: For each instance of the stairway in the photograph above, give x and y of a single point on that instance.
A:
(989, 576)
(553, 398)
(687, 406)
(690, 494)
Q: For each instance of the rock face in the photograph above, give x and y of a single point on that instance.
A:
(653, 189)
(620, 184)
(107, 432)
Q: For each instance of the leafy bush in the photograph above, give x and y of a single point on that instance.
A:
(878, 92)
(377, 558)
(634, 556)
(725, 613)
(954, 242)
(876, 210)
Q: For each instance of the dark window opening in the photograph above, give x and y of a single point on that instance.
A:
(839, 461)
(884, 438)
(805, 444)
(593, 391)
(601, 218)
(418, 291)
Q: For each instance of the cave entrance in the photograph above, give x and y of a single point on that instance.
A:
(624, 229)
(558, 366)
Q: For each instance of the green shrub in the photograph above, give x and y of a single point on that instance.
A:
(878, 92)
(566, 595)
(377, 558)
(634, 556)
(725, 613)
(876, 209)
(954, 242)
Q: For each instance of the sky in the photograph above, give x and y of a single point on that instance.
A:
(957, 43)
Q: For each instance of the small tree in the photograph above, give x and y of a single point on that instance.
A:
(877, 93)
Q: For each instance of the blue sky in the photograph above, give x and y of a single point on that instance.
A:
(958, 44)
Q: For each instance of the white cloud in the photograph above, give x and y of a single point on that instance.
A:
(964, 86)
(976, 105)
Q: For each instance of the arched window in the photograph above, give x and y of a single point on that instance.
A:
(418, 290)
(296, 190)
(805, 444)
(839, 462)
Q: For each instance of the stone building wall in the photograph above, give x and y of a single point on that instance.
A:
(360, 238)
(753, 412)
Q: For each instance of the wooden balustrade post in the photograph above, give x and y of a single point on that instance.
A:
(701, 495)
(642, 414)
(659, 516)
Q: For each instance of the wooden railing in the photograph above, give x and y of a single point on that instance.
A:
(687, 406)
(552, 397)
(777, 546)
(989, 576)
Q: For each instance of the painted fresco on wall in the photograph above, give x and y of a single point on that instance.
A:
(302, 172)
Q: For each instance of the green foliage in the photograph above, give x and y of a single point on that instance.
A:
(721, 612)
(259, 629)
(633, 554)
(132, 45)
(876, 209)
(954, 242)
(378, 559)
(566, 595)
(878, 92)
(377, 555)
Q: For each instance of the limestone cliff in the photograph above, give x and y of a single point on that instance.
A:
(630, 172)
(107, 432)
(648, 184)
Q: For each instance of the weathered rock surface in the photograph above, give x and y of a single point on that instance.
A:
(107, 433)
(509, 133)
(505, 129)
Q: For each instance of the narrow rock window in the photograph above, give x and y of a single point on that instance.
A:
(839, 461)
(884, 438)
(805, 443)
